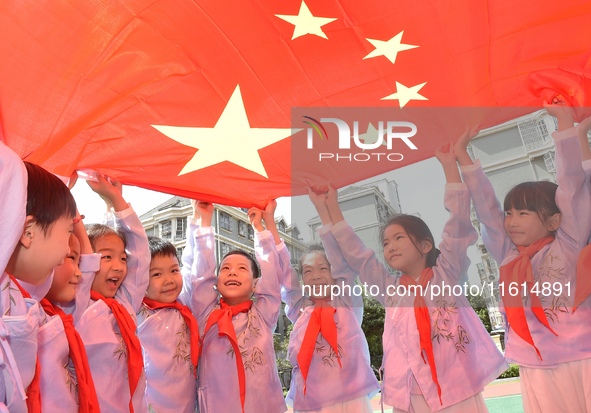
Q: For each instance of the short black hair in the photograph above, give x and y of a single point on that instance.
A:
(48, 198)
(98, 231)
(256, 272)
(161, 247)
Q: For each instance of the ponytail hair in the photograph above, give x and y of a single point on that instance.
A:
(417, 230)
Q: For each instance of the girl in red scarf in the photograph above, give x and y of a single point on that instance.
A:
(437, 354)
(536, 239)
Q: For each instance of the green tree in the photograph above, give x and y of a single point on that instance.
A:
(373, 326)
(280, 343)
(479, 305)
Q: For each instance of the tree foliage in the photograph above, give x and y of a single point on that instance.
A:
(479, 305)
(373, 326)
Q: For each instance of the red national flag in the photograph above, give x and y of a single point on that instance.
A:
(195, 98)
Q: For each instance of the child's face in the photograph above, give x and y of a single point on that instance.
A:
(113, 265)
(525, 227)
(67, 276)
(316, 274)
(401, 253)
(165, 279)
(235, 279)
(45, 251)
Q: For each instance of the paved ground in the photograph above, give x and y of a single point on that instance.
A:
(501, 396)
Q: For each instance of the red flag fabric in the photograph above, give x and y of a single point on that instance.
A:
(195, 98)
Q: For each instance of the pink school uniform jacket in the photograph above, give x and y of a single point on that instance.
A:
(171, 382)
(58, 384)
(218, 380)
(555, 263)
(465, 356)
(327, 383)
(21, 317)
(106, 351)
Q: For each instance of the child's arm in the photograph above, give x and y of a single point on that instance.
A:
(89, 264)
(341, 272)
(267, 288)
(133, 288)
(13, 202)
(198, 268)
(488, 209)
(360, 258)
(458, 232)
(572, 194)
(291, 290)
(582, 131)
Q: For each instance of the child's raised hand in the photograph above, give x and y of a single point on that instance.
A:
(203, 210)
(269, 212)
(445, 155)
(255, 216)
(560, 109)
(269, 220)
(73, 179)
(464, 140)
(460, 148)
(332, 205)
(111, 191)
(318, 196)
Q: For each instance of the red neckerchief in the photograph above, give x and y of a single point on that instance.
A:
(135, 361)
(321, 322)
(423, 320)
(583, 283)
(517, 272)
(189, 320)
(87, 398)
(223, 317)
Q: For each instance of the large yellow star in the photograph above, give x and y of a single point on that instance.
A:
(306, 23)
(406, 94)
(389, 48)
(231, 139)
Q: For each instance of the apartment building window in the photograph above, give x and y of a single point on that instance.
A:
(179, 255)
(549, 161)
(225, 221)
(166, 229)
(224, 248)
(534, 133)
(242, 229)
(181, 228)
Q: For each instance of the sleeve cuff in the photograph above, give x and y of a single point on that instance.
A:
(281, 246)
(204, 231)
(263, 234)
(565, 134)
(123, 214)
(324, 229)
(339, 225)
(471, 168)
(90, 262)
